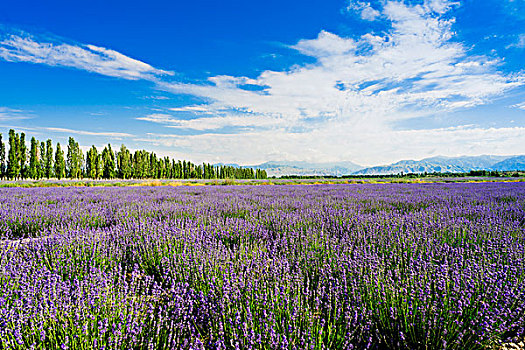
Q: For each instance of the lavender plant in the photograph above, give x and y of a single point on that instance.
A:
(392, 266)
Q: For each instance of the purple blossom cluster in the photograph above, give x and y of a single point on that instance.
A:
(391, 266)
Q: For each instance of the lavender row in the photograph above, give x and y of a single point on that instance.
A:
(265, 267)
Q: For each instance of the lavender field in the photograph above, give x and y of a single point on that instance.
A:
(390, 266)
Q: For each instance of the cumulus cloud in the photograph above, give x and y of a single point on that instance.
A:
(25, 48)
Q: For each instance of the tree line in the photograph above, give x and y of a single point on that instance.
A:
(41, 161)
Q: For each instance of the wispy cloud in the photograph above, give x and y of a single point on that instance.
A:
(37, 129)
(519, 43)
(10, 114)
(84, 132)
(212, 124)
(195, 109)
(413, 70)
(347, 104)
(22, 47)
(365, 10)
(159, 118)
(356, 89)
(519, 105)
(155, 97)
(335, 144)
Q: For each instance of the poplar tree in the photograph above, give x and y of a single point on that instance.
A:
(22, 155)
(92, 162)
(49, 159)
(167, 167)
(136, 165)
(74, 159)
(152, 161)
(2, 158)
(33, 159)
(41, 160)
(108, 159)
(100, 166)
(60, 164)
(124, 163)
(12, 158)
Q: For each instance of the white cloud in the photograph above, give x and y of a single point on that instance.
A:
(341, 143)
(344, 106)
(413, 65)
(195, 109)
(326, 45)
(211, 124)
(519, 105)
(519, 43)
(357, 88)
(160, 118)
(91, 58)
(366, 11)
(155, 97)
(83, 132)
(440, 6)
(10, 114)
(35, 129)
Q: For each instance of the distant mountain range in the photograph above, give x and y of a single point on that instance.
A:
(305, 168)
(448, 165)
(429, 165)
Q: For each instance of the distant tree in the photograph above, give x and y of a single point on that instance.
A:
(42, 160)
(100, 166)
(152, 165)
(167, 168)
(33, 159)
(180, 170)
(108, 161)
(92, 163)
(49, 159)
(13, 162)
(140, 164)
(60, 163)
(74, 159)
(2, 158)
(124, 163)
(22, 156)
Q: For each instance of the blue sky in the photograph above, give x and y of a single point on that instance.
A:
(247, 82)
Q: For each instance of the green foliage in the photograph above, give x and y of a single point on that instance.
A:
(22, 156)
(92, 163)
(108, 164)
(60, 164)
(33, 159)
(124, 163)
(49, 159)
(74, 159)
(41, 160)
(13, 164)
(2, 158)
(108, 161)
